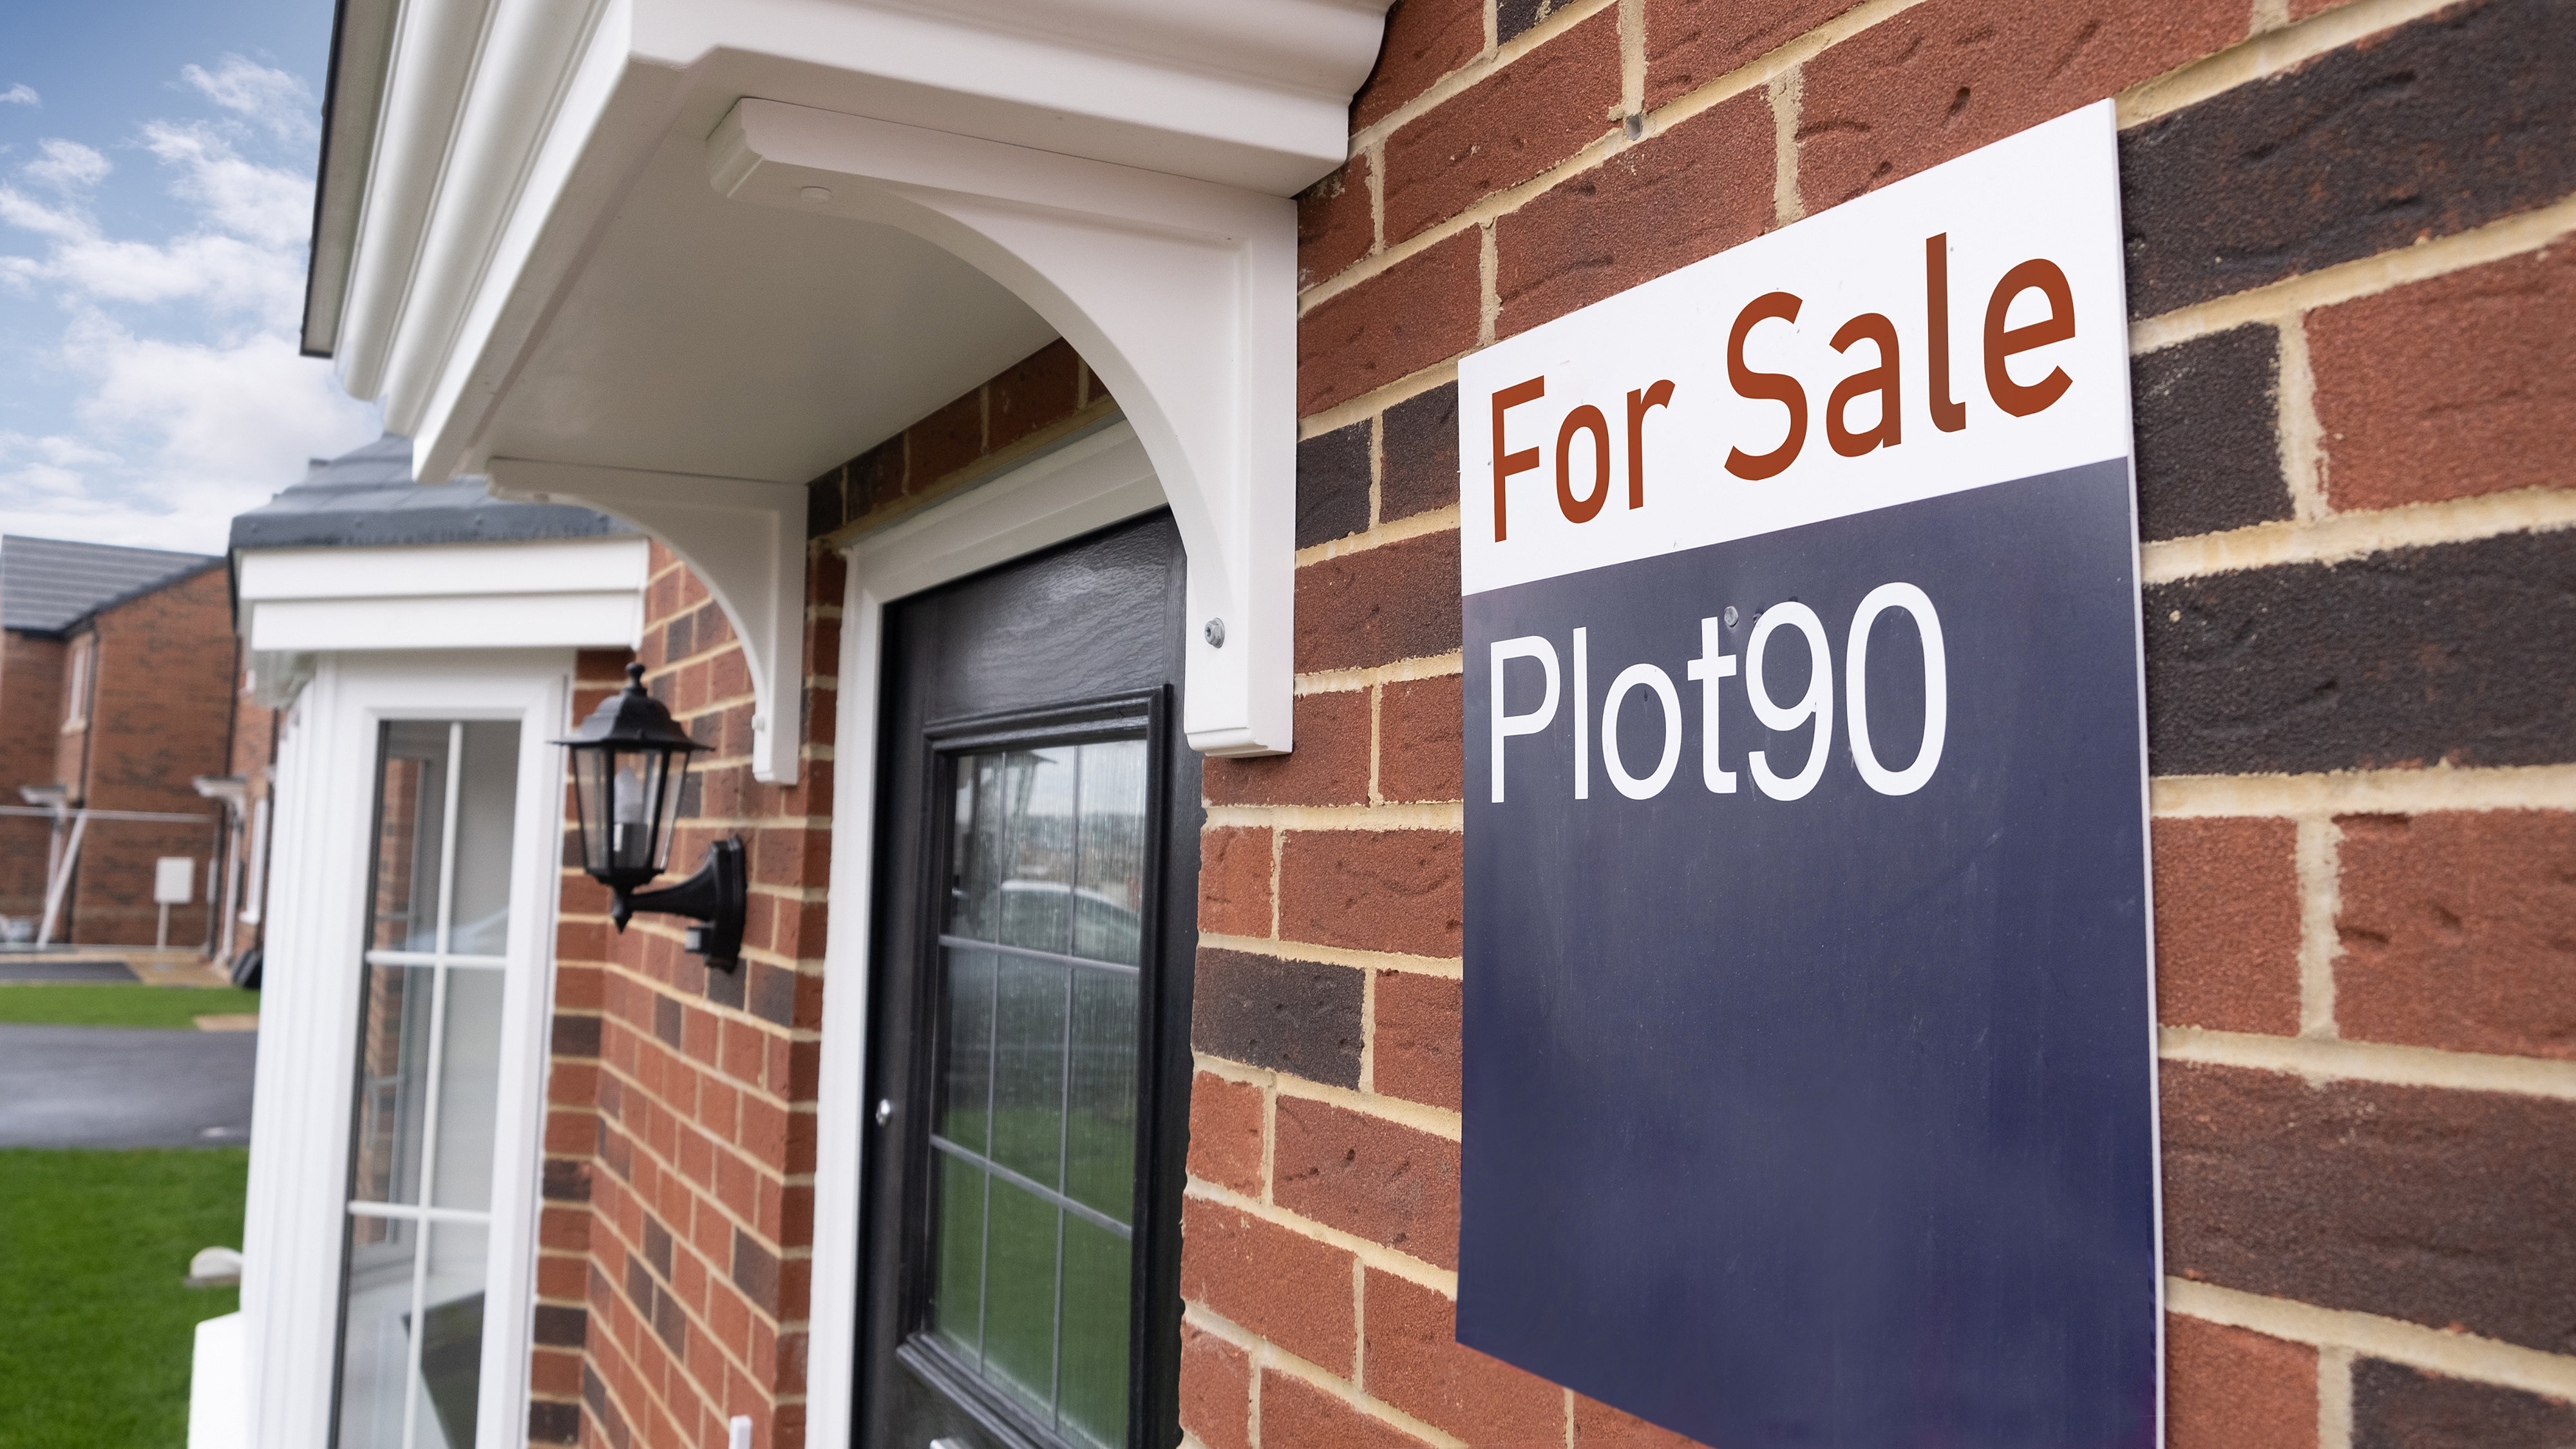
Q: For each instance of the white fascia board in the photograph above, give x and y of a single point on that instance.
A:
(744, 539)
(551, 566)
(1181, 294)
(497, 621)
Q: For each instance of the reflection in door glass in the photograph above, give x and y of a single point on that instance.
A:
(428, 1077)
(1035, 1132)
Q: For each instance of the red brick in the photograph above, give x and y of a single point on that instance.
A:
(1225, 1133)
(943, 442)
(1415, 313)
(1508, 127)
(2456, 386)
(1336, 223)
(1379, 605)
(2456, 931)
(2227, 924)
(1290, 1289)
(1376, 890)
(1368, 1177)
(1038, 390)
(1416, 1364)
(1420, 754)
(1692, 42)
(1234, 882)
(1216, 1390)
(1599, 1426)
(2228, 1388)
(1425, 40)
(1691, 192)
(1296, 1413)
(1415, 1044)
(1330, 765)
(1942, 79)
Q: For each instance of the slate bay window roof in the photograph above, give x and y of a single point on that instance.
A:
(47, 585)
(366, 498)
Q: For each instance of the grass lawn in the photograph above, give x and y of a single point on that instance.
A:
(174, 1007)
(95, 1329)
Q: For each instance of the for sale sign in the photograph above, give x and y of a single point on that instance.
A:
(1810, 1032)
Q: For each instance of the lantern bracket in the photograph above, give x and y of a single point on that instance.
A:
(715, 897)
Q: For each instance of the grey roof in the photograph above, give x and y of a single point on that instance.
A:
(365, 498)
(49, 584)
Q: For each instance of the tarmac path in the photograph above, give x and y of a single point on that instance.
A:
(100, 1086)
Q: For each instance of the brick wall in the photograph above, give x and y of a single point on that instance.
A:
(160, 714)
(2353, 292)
(31, 718)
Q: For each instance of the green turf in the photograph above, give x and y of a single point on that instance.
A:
(96, 1330)
(174, 1007)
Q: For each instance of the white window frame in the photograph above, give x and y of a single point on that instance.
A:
(297, 1215)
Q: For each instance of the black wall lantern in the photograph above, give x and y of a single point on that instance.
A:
(628, 760)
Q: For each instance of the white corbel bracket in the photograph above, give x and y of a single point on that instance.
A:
(1181, 294)
(744, 540)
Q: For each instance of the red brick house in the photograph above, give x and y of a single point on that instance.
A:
(116, 689)
(1067, 457)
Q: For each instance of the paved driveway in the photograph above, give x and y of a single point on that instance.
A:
(98, 1086)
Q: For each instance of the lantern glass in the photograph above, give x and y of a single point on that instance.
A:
(628, 799)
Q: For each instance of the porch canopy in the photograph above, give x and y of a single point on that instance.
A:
(672, 259)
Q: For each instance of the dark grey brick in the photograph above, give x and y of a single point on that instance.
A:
(2208, 455)
(2396, 1407)
(2455, 653)
(1333, 485)
(1511, 17)
(1300, 1017)
(2426, 130)
(2417, 1203)
(1418, 466)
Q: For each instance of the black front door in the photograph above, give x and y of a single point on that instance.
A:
(1029, 1044)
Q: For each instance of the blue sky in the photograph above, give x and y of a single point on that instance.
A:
(156, 166)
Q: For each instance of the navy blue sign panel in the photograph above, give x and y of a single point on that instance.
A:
(1809, 1067)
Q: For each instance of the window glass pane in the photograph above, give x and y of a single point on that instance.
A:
(1028, 1069)
(427, 1085)
(393, 1059)
(451, 1336)
(1019, 1294)
(966, 1089)
(375, 1334)
(486, 816)
(1110, 865)
(469, 1082)
(411, 804)
(1048, 856)
(1100, 1130)
(957, 1292)
(1092, 1399)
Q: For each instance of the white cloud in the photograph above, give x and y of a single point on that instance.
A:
(273, 98)
(247, 257)
(21, 94)
(263, 203)
(190, 413)
(66, 165)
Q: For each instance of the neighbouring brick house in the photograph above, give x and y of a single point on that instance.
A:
(2346, 238)
(113, 687)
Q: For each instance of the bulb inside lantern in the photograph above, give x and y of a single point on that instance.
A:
(626, 814)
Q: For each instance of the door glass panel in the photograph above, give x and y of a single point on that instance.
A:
(1043, 939)
(427, 1085)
